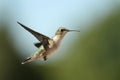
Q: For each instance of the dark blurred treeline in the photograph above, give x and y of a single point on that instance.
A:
(95, 56)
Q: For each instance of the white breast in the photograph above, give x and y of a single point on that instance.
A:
(54, 45)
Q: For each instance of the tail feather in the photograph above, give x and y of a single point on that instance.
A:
(38, 54)
(26, 60)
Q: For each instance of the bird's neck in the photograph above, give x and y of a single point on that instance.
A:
(57, 38)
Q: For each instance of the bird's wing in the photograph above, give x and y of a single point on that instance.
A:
(38, 44)
(44, 43)
(44, 39)
(39, 36)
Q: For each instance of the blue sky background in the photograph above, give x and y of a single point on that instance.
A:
(46, 16)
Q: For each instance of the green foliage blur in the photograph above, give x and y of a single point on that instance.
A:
(95, 56)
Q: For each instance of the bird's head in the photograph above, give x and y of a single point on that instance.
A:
(62, 31)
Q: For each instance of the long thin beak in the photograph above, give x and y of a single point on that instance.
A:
(73, 30)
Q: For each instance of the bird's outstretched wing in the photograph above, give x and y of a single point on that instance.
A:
(39, 36)
(44, 39)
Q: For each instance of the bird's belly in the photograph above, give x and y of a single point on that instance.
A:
(52, 50)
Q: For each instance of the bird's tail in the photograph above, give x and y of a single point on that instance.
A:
(36, 55)
(33, 58)
(29, 59)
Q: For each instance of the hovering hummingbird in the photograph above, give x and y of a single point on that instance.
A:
(47, 45)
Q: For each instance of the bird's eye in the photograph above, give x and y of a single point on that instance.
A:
(62, 30)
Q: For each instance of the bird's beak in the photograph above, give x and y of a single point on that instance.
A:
(73, 30)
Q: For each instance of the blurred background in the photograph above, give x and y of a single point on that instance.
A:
(92, 54)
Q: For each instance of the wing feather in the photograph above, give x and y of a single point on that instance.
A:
(39, 36)
(44, 39)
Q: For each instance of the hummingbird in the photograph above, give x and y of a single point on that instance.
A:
(46, 46)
